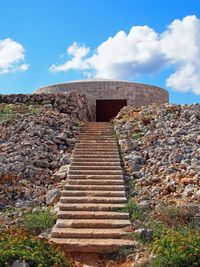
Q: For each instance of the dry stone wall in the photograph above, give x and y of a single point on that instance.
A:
(73, 103)
(36, 143)
(136, 94)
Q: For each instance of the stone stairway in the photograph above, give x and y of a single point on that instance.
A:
(86, 220)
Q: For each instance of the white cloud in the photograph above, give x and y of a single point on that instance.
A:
(125, 56)
(143, 51)
(181, 46)
(77, 61)
(11, 56)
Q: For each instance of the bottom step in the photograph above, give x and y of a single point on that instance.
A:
(93, 245)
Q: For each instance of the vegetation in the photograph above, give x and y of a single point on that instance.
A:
(121, 155)
(176, 237)
(177, 249)
(175, 241)
(78, 123)
(19, 245)
(137, 134)
(37, 222)
(33, 222)
(135, 211)
(21, 242)
(15, 111)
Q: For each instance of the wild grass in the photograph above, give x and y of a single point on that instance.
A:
(15, 111)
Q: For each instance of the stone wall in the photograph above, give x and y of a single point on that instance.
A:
(136, 94)
(74, 103)
(36, 142)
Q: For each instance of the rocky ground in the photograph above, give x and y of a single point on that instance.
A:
(35, 145)
(160, 146)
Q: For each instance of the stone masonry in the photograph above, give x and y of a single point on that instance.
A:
(137, 94)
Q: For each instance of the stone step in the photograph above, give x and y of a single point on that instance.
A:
(87, 233)
(92, 215)
(94, 176)
(94, 167)
(99, 142)
(93, 145)
(95, 172)
(87, 219)
(112, 188)
(92, 223)
(96, 134)
(97, 131)
(96, 182)
(96, 164)
(97, 138)
(90, 206)
(88, 199)
(93, 193)
(92, 159)
(92, 148)
(103, 245)
(94, 152)
(95, 156)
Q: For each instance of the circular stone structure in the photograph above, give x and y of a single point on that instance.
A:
(136, 94)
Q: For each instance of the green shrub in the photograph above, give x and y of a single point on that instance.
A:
(134, 210)
(37, 222)
(176, 249)
(18, 245)
(137, 134)
(15, 111)
(121, 154)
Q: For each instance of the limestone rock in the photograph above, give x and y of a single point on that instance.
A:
(17, 263)
(52, 196)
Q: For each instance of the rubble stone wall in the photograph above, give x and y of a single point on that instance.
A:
(136, 94)
(36, 143)
(73, 103)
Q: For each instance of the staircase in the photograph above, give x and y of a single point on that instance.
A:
(86, 220)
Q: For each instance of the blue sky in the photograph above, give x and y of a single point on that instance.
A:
(148, 41)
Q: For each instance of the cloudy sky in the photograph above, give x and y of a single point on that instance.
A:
(147, 41)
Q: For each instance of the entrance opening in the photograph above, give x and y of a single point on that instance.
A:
(108, 109)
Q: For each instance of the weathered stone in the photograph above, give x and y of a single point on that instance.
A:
(144, 233)
(52, 196)
(17, 263)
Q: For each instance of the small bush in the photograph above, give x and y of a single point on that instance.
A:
(175, 249)
(37, 222)
(137, 134)
(134, 210)
(18, 245)
(177, 217)
(121, 154)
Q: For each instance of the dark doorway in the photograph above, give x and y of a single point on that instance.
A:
(108, 109)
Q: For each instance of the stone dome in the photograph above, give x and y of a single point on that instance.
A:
(136, 94)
